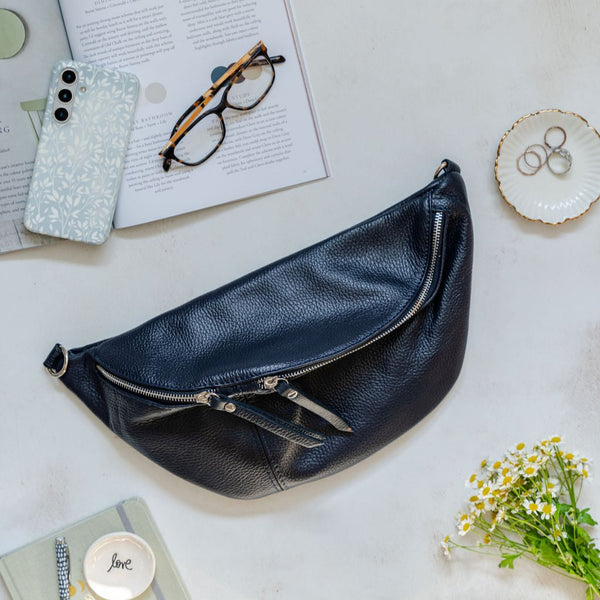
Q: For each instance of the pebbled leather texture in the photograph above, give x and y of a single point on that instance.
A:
(379, 280)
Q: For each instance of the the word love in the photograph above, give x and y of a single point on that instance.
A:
(116, 563)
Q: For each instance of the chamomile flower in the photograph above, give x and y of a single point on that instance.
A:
(472, 480)
(517, 448)
(464, 527)
(532, 506)
(445, 547)
(559, 534)
(530, 470)
(552, 486)
(546, 510)
(583, 470)
(496, 466)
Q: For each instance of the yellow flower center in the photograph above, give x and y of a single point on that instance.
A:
(506, 480)
(473, 478)
(466, 526)
(487, 539)
(486, 490)
(479, 484)
(533, 458)
(480, 505)
(520, 446)
(497, 464)
(529, 470)
(556, 439)
(474, 498)
(532, 506)
(547, 509)
(569, 456)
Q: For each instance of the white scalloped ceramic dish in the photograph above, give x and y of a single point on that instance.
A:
(544, 196)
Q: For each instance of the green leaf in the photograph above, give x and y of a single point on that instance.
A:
(585, 517)
(547, 553)
(589, 593)
(508, 560)
(563, 508)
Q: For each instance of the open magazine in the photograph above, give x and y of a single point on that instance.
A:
(175, 49)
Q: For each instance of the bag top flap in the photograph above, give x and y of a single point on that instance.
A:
(300, 310)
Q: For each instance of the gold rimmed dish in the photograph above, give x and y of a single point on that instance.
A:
(546, 196)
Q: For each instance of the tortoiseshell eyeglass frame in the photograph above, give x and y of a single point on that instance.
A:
(193, 115)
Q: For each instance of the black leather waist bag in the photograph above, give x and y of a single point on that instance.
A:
(301, 368)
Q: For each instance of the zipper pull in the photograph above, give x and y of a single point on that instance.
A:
(286, 390)
(257, 416)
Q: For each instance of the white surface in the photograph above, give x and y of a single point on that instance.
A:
(398, 87)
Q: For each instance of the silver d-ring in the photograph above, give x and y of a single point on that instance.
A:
(63, 369)
(567, 161)
(558, 128)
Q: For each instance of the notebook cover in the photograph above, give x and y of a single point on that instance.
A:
(30, 572)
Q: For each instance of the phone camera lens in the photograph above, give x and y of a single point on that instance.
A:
(65, 96)
(61, 114)
(69, 76)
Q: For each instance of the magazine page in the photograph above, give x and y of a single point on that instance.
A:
(32, 39)
(178, 49)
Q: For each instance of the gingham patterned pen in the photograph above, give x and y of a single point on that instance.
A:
(62, 568)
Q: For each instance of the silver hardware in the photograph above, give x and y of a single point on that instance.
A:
(562, 165)
(197, 398)
(230, 407)
(203, 397)
(64, 367)
(270, 382)
(291, 394)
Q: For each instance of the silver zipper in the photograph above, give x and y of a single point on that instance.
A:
(271, 382)
(174, 397)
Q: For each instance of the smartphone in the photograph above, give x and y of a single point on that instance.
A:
(81, 152)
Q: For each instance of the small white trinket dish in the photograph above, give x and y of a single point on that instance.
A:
(541, 195)
(119, 566)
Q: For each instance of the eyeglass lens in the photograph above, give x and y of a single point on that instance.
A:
(246, 92)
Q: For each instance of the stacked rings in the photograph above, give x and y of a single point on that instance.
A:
(558, 158)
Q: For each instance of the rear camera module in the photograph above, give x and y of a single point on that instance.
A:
(61, 114)
(69, 76)
(65, 96)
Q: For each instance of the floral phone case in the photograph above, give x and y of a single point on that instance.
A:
(81, 152)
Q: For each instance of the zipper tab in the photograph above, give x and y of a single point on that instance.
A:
(203, 398)
(286, 390)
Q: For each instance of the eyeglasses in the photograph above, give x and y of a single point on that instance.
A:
(197, 135)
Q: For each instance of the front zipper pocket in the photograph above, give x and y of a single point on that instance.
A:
(223, 399)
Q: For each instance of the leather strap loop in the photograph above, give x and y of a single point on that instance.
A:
(57, 361)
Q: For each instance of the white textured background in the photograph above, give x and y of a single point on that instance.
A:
(398, 87)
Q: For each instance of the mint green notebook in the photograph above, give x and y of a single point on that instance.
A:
(30, 572)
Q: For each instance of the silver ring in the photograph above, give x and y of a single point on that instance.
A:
(63, 369)
(562, 158)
